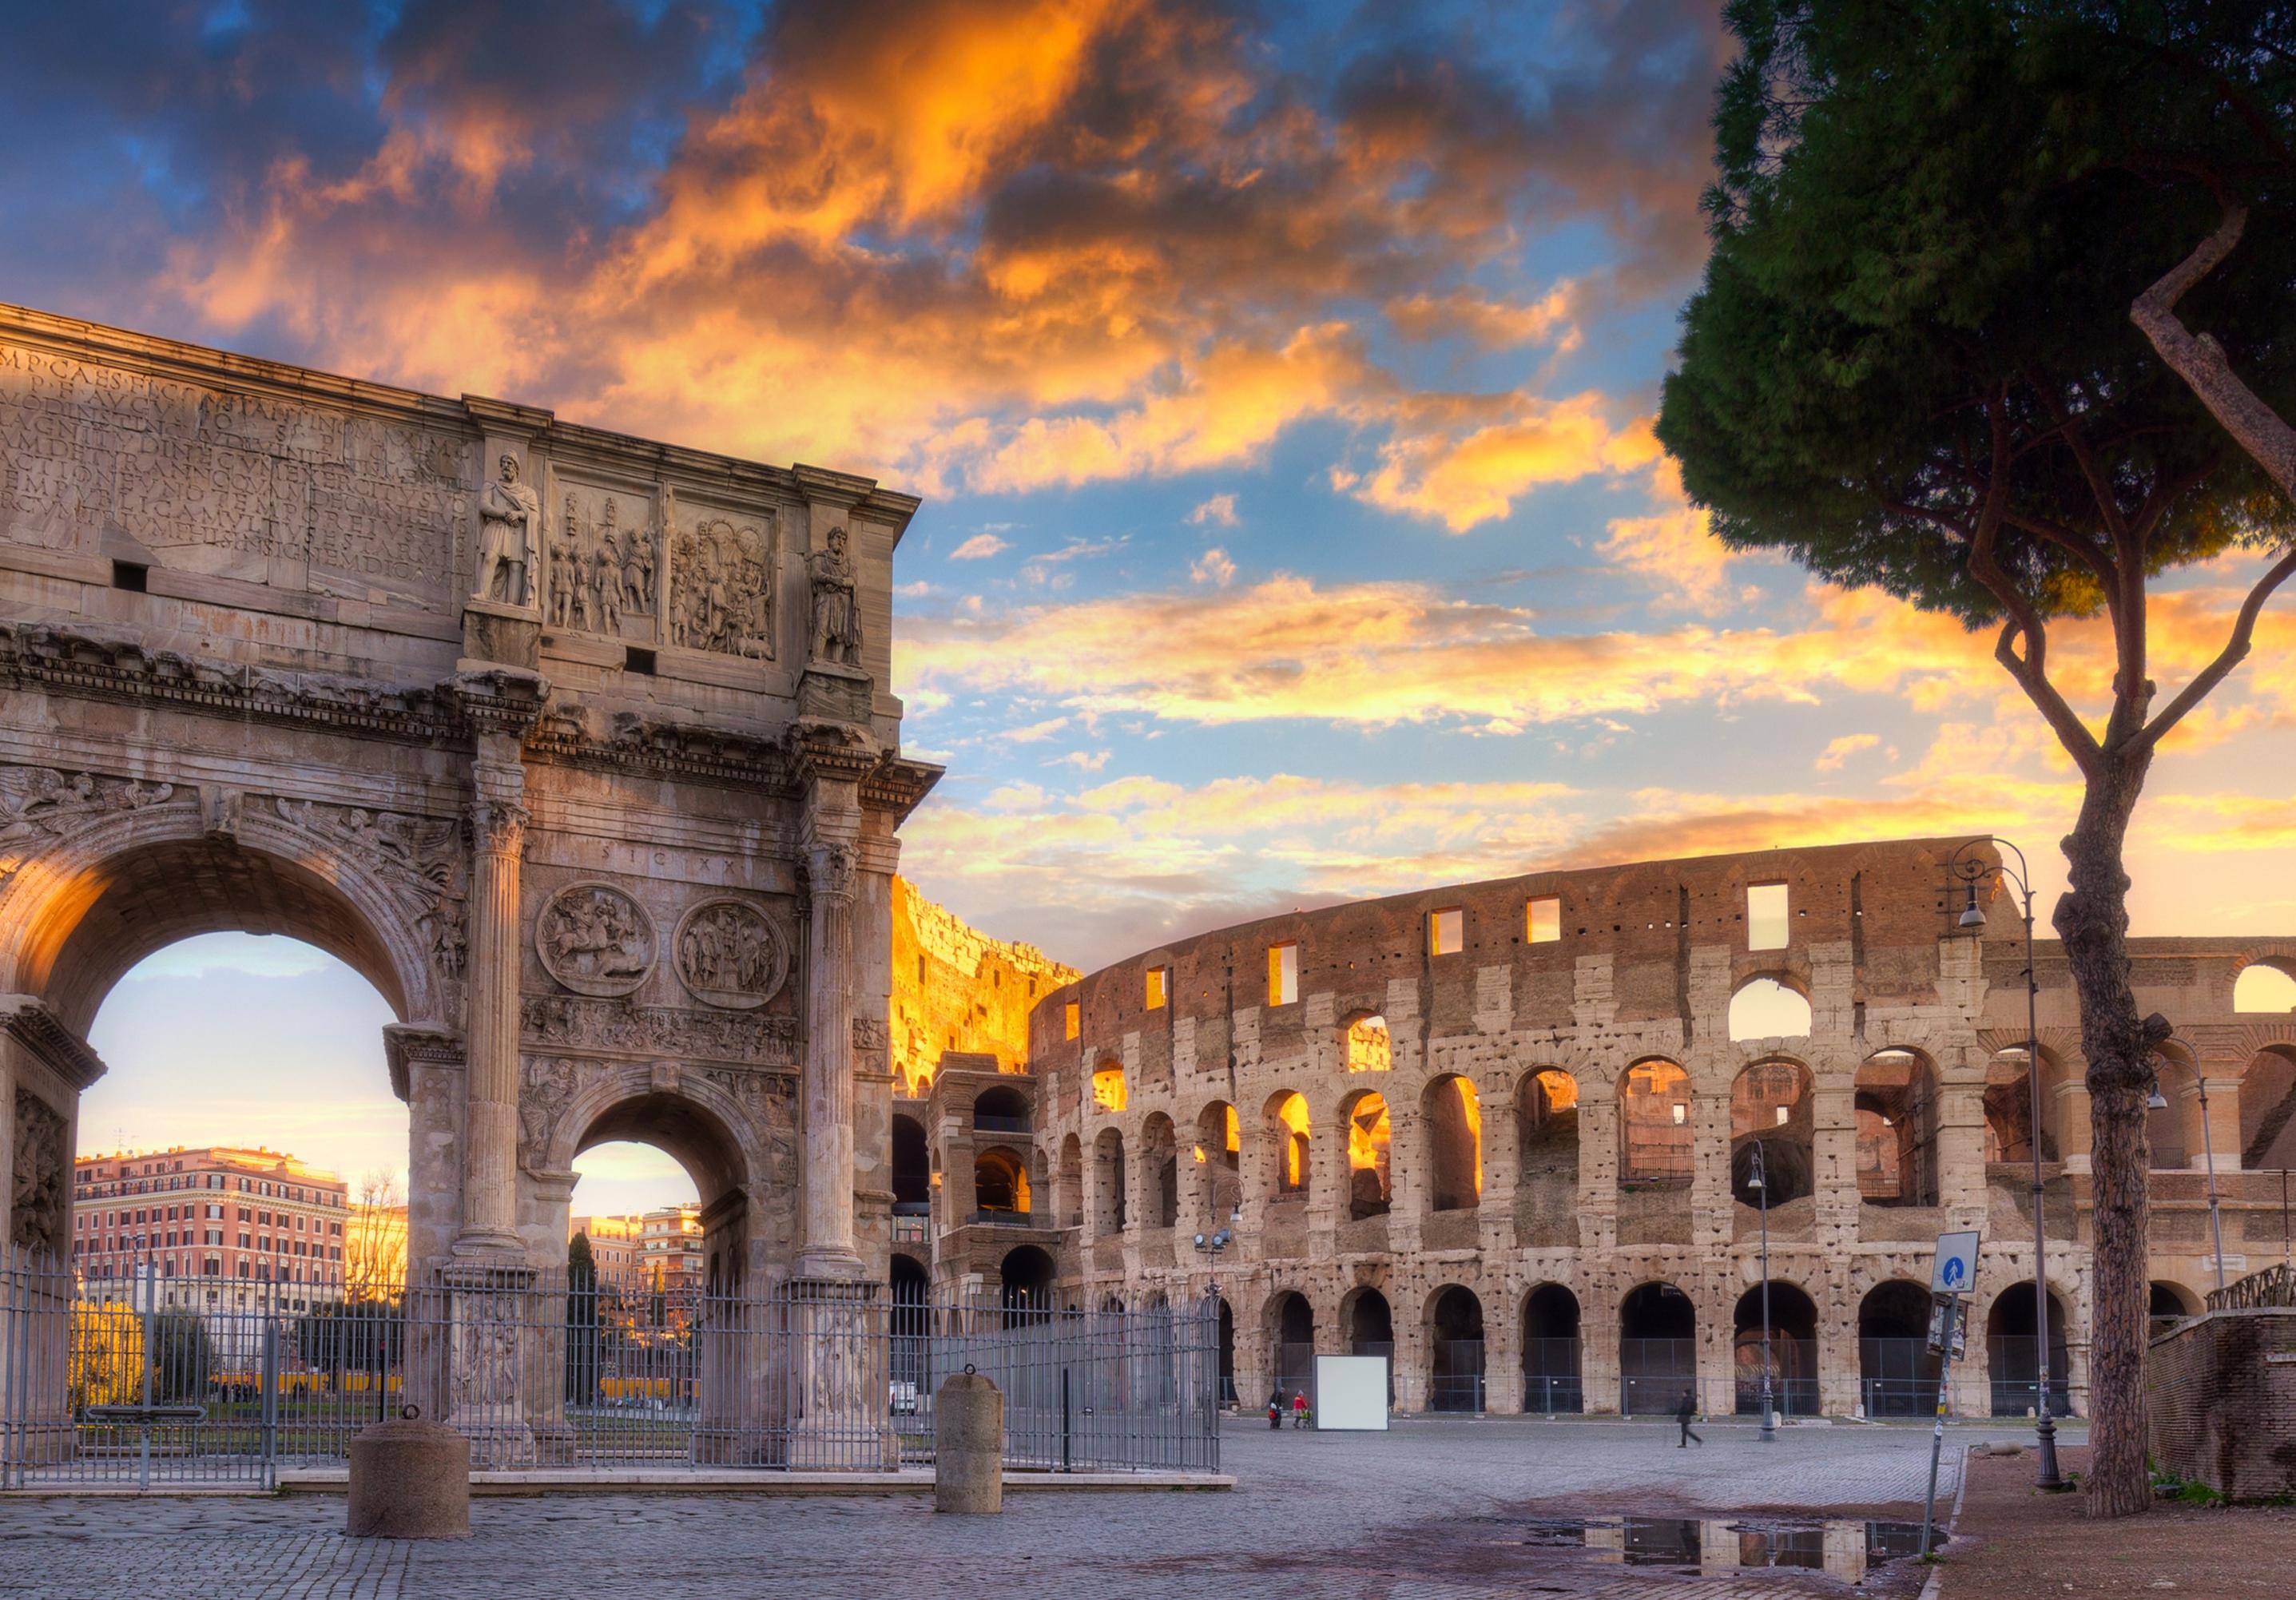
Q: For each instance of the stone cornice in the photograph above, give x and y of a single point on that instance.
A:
(898, 785)
(27, 1020)
(404, 1045)
(500, 700)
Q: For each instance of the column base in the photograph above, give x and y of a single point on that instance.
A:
(841, 1357)
(489, 1249)
(815, 1266)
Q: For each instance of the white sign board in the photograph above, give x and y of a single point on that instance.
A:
(1351, 1394)
(1955, 1272)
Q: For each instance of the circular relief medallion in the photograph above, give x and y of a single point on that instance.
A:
(594, 939)
(730, 954)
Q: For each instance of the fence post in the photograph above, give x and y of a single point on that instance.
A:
(1064, 1416)
(269, 1406)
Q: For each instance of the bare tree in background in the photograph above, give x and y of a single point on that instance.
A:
(374, 1246)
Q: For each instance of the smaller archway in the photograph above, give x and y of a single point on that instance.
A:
(1371, 1331)
(1108, 1093)
(1763, 1008)
(1546, 1134)
(1658, 1349)
(2169, 1304)
(1286, 1119)
(1159, 1149)
(1656, 1141)
(912, 1169)
(1067, 1194)
(1291, 1325)
(1770, 1105)
(1452, 1114)
(1793, 1351)
(1895, 1109)
(1000, 1181)
(1370, 1188)
(2013, 1353)
(910, 1286)
(1454, 1350)
(1896, 1373)
(1218, 1159)
(1001, 1108)
(1108, 1181)
(2265, 986)
(1227, 1395)
(1367, 1045)
(2009, 1111)
(2268, 1109)
(1550, 1351)
(1025, 1283)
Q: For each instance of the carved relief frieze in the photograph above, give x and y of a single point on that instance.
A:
(37, 1217)
(731, 954)
(41, 807)
(771, 1101)
(721, 591)
(510, 528)
(563, 1022)
(545, 1085)
(604, 558)
(419, 860)
(595, 939)
(836, 605)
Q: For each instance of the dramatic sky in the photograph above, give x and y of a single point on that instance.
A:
(1278, 380)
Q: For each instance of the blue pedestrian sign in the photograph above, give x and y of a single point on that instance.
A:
(1955, 1272)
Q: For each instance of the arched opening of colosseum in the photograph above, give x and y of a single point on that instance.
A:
(1000, 1110)
(2013, 1352)
(1286, 1122)
(1159, 1149)
(2168, 1304)
(912, 1169)
(1770, 1105)
(2009, 1111)
(1108, 1182)
(1895, 1109)
(1550, 1351)
(1219, 1166)
(2268, 985)
(1452, 1114)
(1896, 1373)
(1765, 1008)
(909, 1287)
(1108, 1091)
(1368, 1048)
(1793, 1351)
(1656, 1141)
(2268, 1109)
(1454, 1350)
(1371, 1330)
(1227, 1395)
(1024, 1282)
(1658, 1348)
(1289, 1326)
(1068, 1184)
(1547, 1151)
(1369, 1179)
(1000, 1181)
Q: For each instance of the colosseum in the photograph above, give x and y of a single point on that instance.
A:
(1508, 1133)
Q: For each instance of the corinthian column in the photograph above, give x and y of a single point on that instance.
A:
(833, 866)
(490, 1120)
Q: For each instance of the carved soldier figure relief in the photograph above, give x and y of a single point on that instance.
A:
(836, 611)
(730, 954)
(721, 593)
(601, 569)
(594, 939)
(510, 519)
(39, 1198)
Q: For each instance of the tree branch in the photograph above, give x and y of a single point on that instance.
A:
(2032, 677)
(2235, 651)
(2200, 361)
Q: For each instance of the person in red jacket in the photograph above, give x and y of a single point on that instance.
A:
(1300, 1408)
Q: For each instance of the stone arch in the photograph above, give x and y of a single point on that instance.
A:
(1218, 1161)
(1370, 1322)
(1288, 1322)
(1368, 1131)
(2267, 1108)
(1111, 1204)
(2266, 984)
(1897, 1373)
(1658, 1348)
(1024, 1282)
(1895, 1108)
(1159, 1155)
(2172, 1129)
(1454, 1338)
(1451, 1113)
(723, 1144)
(1108, 1092)
(1547, 1152)
(1771, 1104)
(2168, 1302)
(1771, 1006)
(1794, 1351)
(912, 1168)
(2009, 1131)
(1284, 1118)
(1551, 1381)
(1000, 1181)
(1000, 1108)
(1657, 1143)
(1068, 1184)
(2012, 1351)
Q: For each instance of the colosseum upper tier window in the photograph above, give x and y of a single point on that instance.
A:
(1542, 920)
(1656, 1140)
(1159, 987)
(1108, 1085)
(1446, 932)
(1766, 916)
(1069, 1017)
(1283, 974)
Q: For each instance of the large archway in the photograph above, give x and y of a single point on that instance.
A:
(1658, 1349)
(1454, 1350)
(1897, 1374)
(1793, 1351)
(1290, 1326)
(1550, 1351)
(2013, 1353)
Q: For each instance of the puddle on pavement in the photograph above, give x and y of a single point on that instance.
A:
(1840, 1547)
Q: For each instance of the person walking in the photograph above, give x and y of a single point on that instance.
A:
(1685, 1413)
(1300, 1408)
(1276, 1407)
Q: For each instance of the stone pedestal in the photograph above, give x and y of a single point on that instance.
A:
(493, 1338)
(968, 1447)
(409, 1478)
(840, 1351)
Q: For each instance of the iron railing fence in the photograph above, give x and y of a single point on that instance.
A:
(2274, 1286)
(1551, 1383)
(1456, 1376)
(2014, 1365)
(1897, 1377)
(154, 1381)
(1794, 1376)
(1653, 1374)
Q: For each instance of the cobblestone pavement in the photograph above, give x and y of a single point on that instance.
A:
(1426, 1512)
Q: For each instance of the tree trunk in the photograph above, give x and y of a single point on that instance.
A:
(2092, 919)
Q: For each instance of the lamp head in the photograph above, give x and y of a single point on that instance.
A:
(1200, 1240)
(2156, 1101)
(1972, 916)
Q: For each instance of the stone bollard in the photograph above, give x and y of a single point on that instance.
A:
(969, 1445)
(410, 1480)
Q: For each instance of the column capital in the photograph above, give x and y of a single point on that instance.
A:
(405, 1044)
(32, 1022)
(504, 701)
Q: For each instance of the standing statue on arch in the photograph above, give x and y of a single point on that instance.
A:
(836, 611)
(510, 516)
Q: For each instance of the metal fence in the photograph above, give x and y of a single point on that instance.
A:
(1551, 1383)
(157, 1381)
(1455, 1376)
(2013, 1364)
(1653, 1374)
(1897, 1377)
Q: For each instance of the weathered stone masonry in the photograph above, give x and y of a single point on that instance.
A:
(1908, 1014)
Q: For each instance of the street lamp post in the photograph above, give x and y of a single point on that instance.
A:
(1759, 1183)
(1970, 868)
(2157, 1101)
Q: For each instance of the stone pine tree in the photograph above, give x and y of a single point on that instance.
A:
(1915, 362)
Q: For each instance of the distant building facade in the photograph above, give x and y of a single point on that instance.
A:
(220, 1224)
(661, 1249)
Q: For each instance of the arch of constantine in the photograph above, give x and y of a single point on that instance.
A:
(578, 747)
